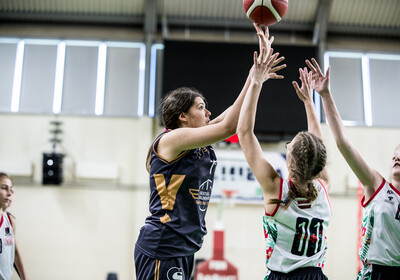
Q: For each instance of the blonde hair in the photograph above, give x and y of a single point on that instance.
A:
(308, 159)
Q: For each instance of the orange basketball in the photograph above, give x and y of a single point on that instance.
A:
(265, 12)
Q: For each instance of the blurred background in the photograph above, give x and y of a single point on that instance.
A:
(80, 85)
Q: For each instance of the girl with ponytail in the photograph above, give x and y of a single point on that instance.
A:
(297, 210)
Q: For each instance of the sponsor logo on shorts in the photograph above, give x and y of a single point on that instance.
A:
(175, 273)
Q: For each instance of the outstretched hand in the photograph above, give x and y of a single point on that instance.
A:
(265, 66)
(263, 38)
(305, 92)
(321, 81)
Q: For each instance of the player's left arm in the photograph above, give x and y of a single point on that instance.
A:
(18, 263)
(305, 94)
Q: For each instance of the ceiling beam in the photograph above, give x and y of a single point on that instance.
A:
(321, 21)
(150, 16)
(233, 24)
(68, 18)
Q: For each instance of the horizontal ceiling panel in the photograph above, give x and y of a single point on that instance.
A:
(213, 9)
(381, 13)
(376, 17)
(301, 10)
(111, 7)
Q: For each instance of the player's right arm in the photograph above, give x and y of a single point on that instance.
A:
(267, 177)
(186, 138)
(368, 176)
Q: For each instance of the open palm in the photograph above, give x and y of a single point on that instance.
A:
(321, 81)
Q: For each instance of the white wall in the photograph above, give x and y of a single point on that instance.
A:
(121, 141)
(83, 231)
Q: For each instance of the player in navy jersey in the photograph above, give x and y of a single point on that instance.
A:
(181, 163)
(380, 248)
(297, 209)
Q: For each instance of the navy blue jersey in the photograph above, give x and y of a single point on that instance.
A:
(180, 191)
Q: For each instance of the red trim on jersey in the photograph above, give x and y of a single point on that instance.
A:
(327, 197)
(9, 218)
(277, 205)
(394, 188)
(372, 197)
(2, 220)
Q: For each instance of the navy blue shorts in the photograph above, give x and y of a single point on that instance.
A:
(304, 273)
(153, 269)
(380, 272)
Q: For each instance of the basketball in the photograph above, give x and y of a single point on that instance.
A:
(265, 12)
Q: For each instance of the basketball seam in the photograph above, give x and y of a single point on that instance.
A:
(268, 4)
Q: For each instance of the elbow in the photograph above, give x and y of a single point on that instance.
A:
(242, 132)
(343, 145)
(229, 128)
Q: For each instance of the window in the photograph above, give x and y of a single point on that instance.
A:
(363, 86)
(7, 57)
(72, 77)
(38, 72)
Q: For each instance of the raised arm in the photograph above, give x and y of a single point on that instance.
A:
(369, 177)
(264, 69)
(305, 94)
(219, 129)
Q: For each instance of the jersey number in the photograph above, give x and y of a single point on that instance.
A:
(308, 235)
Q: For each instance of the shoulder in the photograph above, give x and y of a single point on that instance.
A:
(157, 139)
(12, 219)
(10, 215)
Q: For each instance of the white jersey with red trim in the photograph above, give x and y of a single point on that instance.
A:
(296, 237)
(7, 247)
(380, 229)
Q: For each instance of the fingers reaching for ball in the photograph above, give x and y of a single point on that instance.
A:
(266, 64)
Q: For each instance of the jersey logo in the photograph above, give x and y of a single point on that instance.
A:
(7, 229)
(213, 166)
(202, 195)
(168, 193)
(389, 199)
(175, 273)
(9, 241)
(397, 217)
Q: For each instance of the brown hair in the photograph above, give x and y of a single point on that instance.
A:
(176, 102)
(4, 175)
(308, 159)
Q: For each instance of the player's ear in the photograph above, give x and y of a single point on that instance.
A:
(182, 117)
